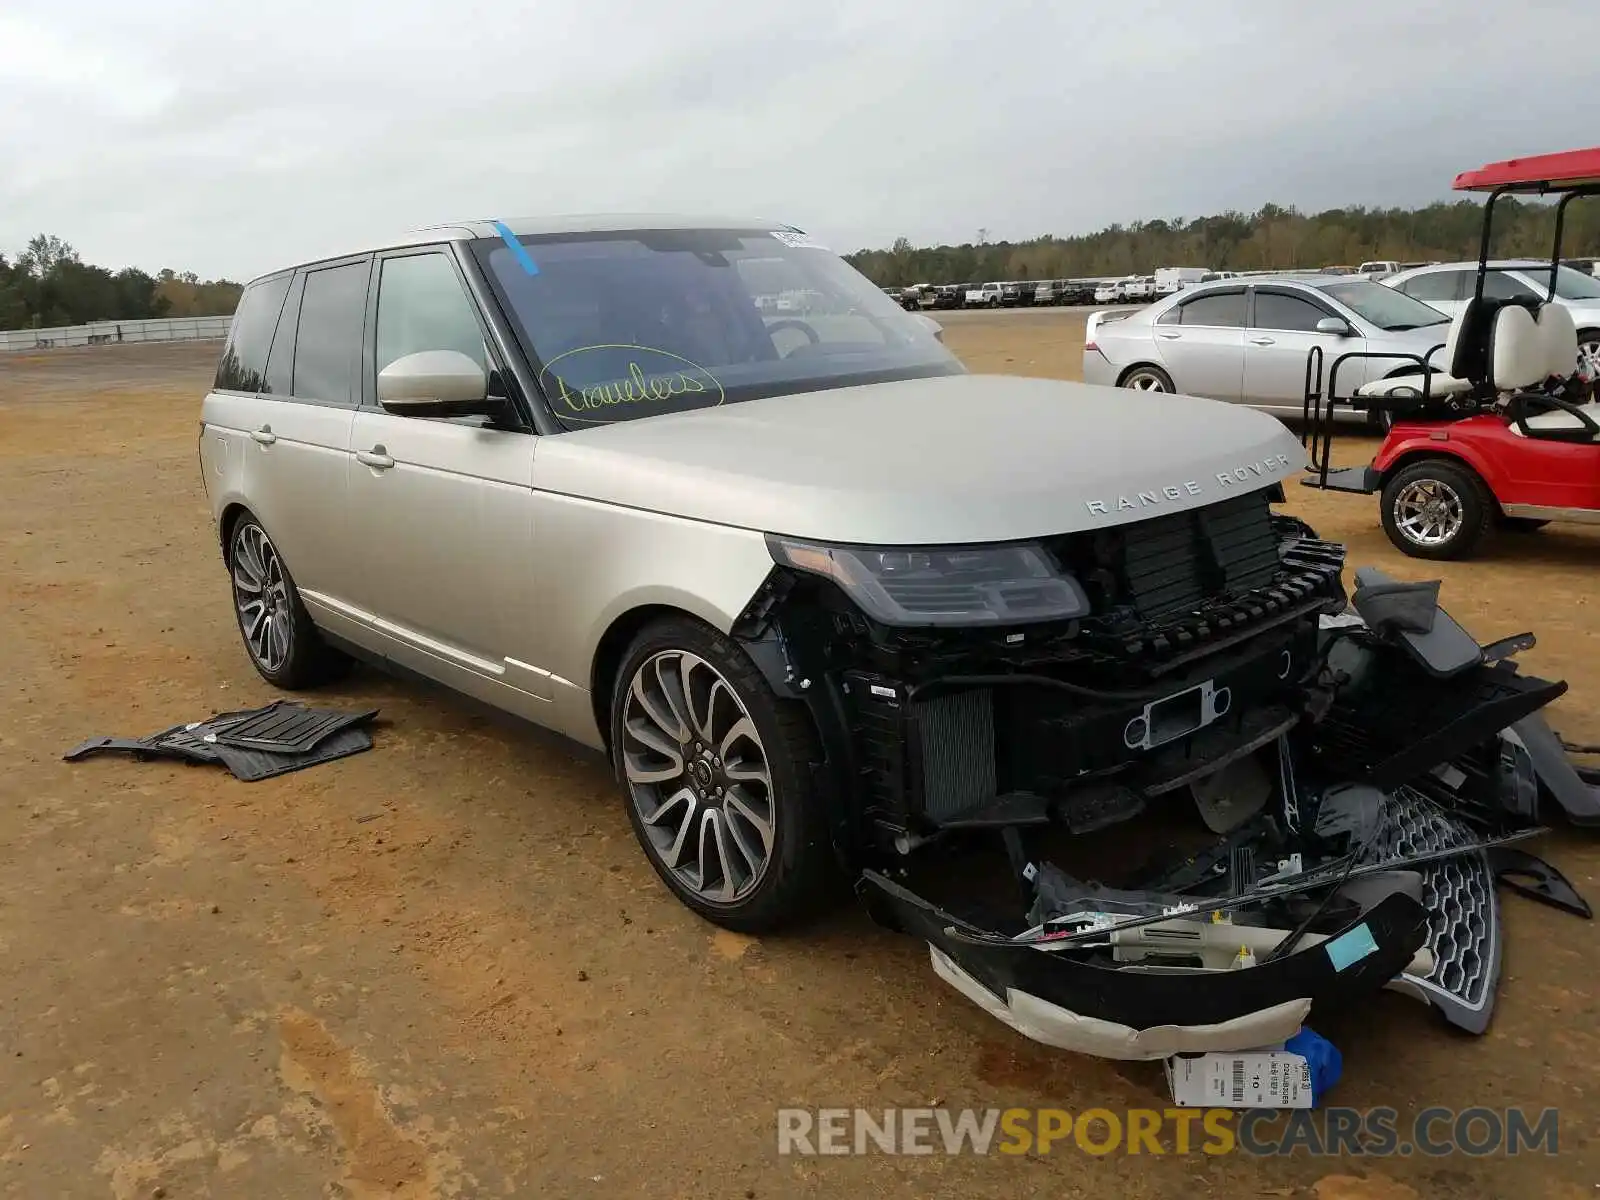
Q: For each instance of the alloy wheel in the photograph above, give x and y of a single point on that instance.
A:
(1589, 359)
(698, 776)
(1429, 512)
(1145, 381)
(261, 596)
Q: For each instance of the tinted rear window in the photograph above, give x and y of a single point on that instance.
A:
(328, 345)
(1225, 309)
(243, 366)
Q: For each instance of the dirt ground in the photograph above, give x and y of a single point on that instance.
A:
(444, 969)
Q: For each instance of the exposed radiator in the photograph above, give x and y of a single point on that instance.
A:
(956, 738)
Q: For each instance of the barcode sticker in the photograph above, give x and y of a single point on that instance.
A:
(1249, 1079)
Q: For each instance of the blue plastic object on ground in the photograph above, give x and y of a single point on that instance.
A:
(1322, 1057)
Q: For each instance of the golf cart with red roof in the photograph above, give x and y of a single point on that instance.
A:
(1497, 427)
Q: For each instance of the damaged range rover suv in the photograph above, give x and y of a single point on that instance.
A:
(698, 495)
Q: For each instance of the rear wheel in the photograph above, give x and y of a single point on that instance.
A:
(1147, 379)
(1436, 509)
(283, 644)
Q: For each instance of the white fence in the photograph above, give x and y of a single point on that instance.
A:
(164, 329)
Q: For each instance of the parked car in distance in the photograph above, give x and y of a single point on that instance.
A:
(1139, 288)
(1246, 341)
(1011, 293)
(1378, 268)
(1448, 287)
(1047, 291)
(1169, 280)
(1108, 292)
(984, 295)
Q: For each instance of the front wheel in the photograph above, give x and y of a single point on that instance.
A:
(1589, 353)
(717, 771)
(1436, 509)
(1147, 379)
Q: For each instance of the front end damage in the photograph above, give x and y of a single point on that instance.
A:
(1219, 796)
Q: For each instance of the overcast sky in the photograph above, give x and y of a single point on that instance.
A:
(229, 137)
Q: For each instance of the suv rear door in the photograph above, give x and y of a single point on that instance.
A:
(286, 448)
(440, 507)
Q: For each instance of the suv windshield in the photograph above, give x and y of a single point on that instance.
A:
(643, 322)
(1383, 306)
(1570, 284)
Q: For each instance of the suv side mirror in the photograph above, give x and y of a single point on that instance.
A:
(436, 383)
(1335, 326)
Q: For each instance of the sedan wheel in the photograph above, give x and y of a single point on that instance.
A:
(698, 776)
(1148, 379)
(1589, 354)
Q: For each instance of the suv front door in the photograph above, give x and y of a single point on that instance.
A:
(1283, 328)
(440, 512)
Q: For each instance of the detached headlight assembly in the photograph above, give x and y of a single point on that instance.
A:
(926, 585)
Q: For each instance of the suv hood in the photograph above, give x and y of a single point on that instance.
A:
(961, 458)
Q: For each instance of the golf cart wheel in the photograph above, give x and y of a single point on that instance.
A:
(283, 644)
(1147, 379)
(717, 772)
(1436, 509)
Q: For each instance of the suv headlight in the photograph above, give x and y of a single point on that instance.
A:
(953, 585)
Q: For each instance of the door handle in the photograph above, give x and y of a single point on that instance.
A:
(1263, 341)
(264, 436)
(1169, 334)
(377, 458)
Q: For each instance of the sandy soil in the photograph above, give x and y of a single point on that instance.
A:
(444, 968)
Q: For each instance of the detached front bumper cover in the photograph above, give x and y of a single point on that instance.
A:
(1420, 758)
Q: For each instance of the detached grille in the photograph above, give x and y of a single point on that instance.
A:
(1463, 910)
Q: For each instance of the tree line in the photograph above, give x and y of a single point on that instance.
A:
(1271, 238)
(50, 285)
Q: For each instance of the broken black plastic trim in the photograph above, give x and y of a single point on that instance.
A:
(1388, 935)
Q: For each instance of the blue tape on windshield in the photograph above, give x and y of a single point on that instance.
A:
(518, 250)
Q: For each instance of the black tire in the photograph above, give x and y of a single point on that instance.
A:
(1470, 509)
(1147, 378)
(801, 874)
(308, 660)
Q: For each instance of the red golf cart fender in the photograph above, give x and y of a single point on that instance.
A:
(1519, 473)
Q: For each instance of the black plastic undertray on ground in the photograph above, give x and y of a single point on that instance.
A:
(1390, 732)
(310, 735)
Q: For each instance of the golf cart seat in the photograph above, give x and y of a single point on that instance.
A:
(1529, 351)
(1560, 335)
(1450, 381)
(1409, 387)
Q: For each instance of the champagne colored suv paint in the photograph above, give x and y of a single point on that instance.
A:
(572, 468)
